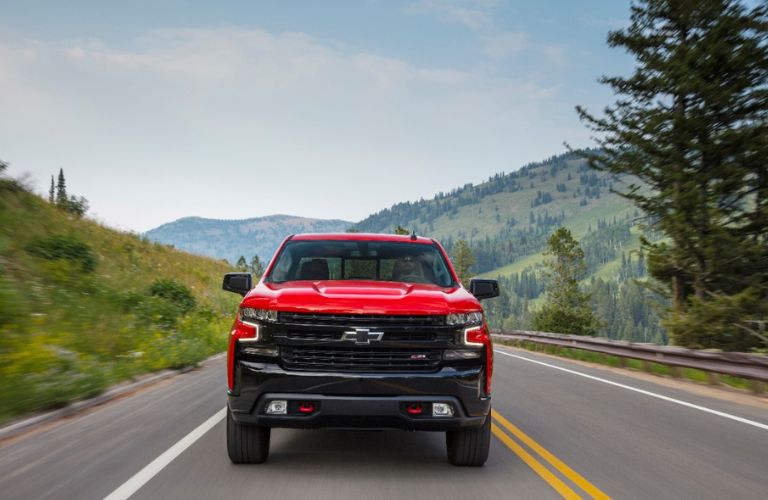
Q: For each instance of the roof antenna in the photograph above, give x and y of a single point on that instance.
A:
(413, 235)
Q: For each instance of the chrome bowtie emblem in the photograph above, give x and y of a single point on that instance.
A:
(362, 336)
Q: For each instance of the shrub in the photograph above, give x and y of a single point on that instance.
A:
(63, 247)
(175, 292)
(721, 322)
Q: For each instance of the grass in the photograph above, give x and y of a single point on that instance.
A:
(84, 315)
(659, 369)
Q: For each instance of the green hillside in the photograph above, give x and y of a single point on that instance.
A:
(507, 218)
(83, 306)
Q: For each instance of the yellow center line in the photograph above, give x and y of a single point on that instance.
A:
(571, 474)
(538, 467)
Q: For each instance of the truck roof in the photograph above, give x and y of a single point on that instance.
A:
(361, 237)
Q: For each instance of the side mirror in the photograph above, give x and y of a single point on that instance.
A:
(483, 289)
(238, 283)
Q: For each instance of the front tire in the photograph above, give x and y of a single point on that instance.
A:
(246, 444)
(469, 447)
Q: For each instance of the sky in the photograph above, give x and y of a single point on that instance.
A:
(328, 109)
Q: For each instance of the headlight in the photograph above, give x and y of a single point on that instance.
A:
(250, 315)
(465, 319)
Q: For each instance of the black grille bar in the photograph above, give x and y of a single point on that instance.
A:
(355, 359)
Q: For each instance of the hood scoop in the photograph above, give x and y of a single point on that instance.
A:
(361, 288)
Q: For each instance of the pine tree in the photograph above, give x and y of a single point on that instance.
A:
(52, 192)
(61, 190)
(256, 267)
(241, 264)
(567, 308)
(691, 125)
(463, 260)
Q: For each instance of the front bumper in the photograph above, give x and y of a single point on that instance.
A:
(359, 400)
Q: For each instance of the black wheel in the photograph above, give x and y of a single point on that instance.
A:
(469, 447)
(246, 444)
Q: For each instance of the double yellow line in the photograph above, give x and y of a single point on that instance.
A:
(545, 473)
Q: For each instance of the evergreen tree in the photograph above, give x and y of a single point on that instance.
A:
(52, 192)
(256, 267)
(463, 260)
(241, 264)
(567, 308)
(691, 124)
(3, 166)
(76, 205)
(61, 190)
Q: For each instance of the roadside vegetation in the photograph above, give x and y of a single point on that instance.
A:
(83, 306)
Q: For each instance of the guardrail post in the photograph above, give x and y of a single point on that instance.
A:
(713, 378)
(647, 366)
(756, 386)
(675, 371)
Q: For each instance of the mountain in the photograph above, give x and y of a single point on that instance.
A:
(229, 239)
(83, 306)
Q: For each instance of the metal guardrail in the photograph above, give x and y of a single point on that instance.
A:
(748, 366)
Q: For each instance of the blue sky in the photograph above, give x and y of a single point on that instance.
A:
(336, 109)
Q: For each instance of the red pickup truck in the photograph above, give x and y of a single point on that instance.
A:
(359, 330)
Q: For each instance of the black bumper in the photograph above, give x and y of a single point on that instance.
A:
(359, 400)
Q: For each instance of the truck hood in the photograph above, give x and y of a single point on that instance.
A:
(360, 297)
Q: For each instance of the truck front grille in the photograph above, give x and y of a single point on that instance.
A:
(359, 359)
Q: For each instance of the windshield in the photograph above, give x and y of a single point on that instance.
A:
(361, 260)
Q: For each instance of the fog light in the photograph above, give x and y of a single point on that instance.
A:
(277, 407)
(442, 410)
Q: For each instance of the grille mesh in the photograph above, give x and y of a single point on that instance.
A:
(327, 358)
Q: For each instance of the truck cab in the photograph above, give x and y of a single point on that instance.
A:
(359, 330)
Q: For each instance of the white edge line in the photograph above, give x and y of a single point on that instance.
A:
(141, 478)
(642, 391)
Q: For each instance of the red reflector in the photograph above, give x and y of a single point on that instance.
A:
(414, 409)
(306, 407)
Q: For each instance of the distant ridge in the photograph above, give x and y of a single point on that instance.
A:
(229, 239)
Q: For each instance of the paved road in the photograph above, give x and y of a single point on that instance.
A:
(557, 433)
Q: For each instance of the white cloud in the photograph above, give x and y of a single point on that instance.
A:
(557, 55)
(474, 14)
(237, 122)
(503, 45)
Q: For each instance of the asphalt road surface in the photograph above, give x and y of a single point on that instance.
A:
(560, 430)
